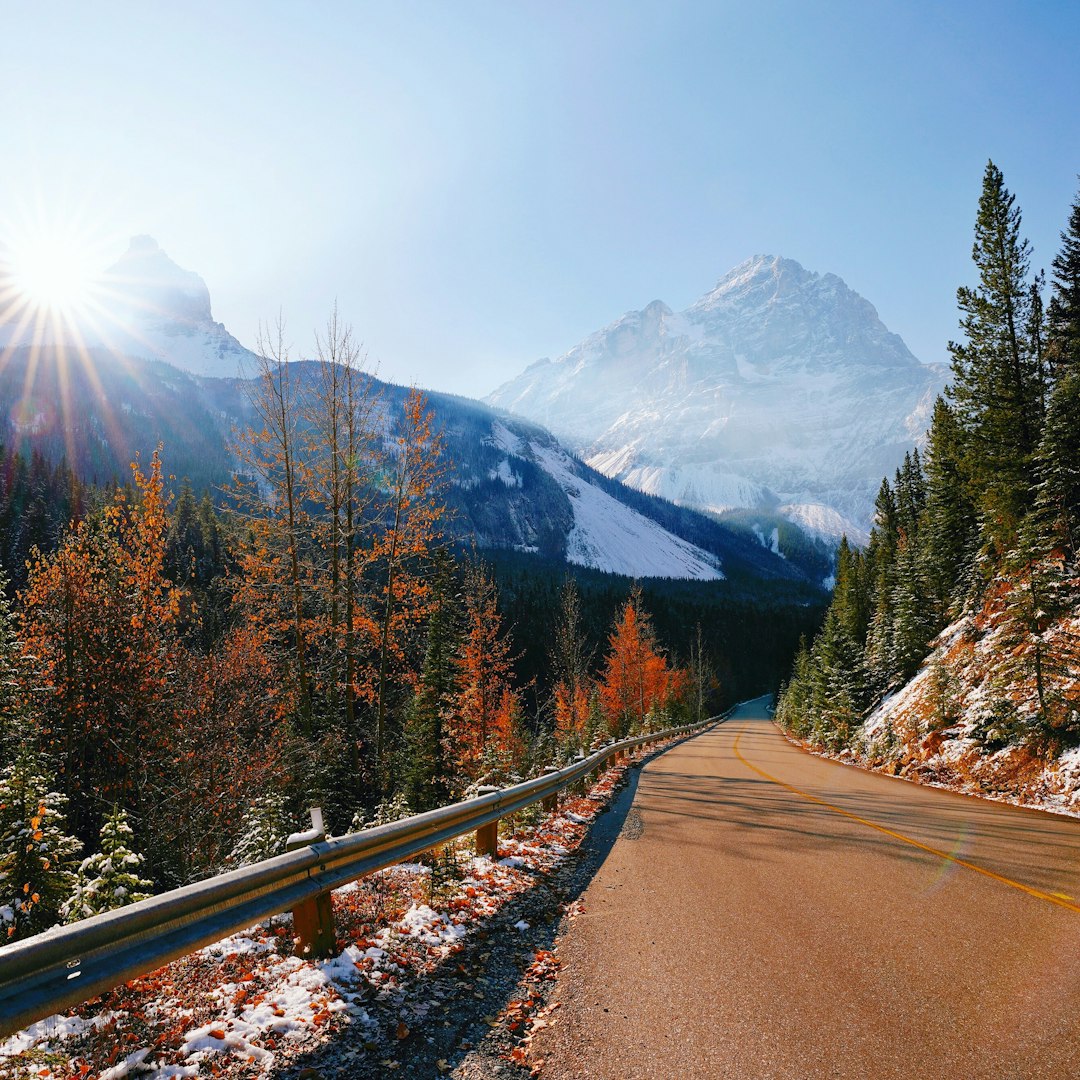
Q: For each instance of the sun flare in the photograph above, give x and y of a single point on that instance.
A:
(53, 270)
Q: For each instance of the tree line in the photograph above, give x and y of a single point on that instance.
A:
(988, 517)
(179, 679)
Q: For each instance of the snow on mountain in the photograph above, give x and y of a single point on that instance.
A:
(780, 388)
(606, 534)
(143, 306)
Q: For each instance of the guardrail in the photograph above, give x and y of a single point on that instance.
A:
(67, 965)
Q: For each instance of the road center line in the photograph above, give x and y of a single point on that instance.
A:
(1050, 898)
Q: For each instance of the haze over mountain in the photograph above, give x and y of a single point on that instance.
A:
(779, 390)
(145, 306)
(145, 362)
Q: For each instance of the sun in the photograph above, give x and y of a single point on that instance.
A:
(53, 270)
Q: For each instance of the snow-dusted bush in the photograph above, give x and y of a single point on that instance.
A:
(264, 829)
(109, 879)
(392, 809)
(35, 852)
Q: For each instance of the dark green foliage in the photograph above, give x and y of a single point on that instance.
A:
(38, 501)
(425, 766)
(997, 387)
(992, 523)
(36, 853)
(950, 529)
(1064, 315)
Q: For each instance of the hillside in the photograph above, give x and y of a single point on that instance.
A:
(511, 485)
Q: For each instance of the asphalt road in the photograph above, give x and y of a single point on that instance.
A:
(766, 913)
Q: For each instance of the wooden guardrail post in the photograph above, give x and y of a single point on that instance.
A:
(487, 836)
(313, 920)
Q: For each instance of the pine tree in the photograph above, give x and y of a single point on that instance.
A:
(35, 851)
(427, 767)
(1056, 517)
(1064, 314)
(110, 878)
(996, 388)
(949, 533)
(911, 627)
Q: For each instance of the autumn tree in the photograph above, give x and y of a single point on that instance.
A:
(269, 488)
(340, 431)
(636, 678)
(99, 617)
(485, 705)
(411, 513)
(570, 669)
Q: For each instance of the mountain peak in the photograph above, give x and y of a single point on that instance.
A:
(780, 387)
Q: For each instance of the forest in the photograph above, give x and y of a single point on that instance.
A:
(986, 521)
(183, 674)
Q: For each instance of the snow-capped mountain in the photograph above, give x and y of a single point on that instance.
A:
(780, 389)
(143, 306)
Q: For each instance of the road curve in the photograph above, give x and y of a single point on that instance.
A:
(767, 913)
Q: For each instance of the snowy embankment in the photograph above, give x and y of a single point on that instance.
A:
(940, 728)
(246, 1005)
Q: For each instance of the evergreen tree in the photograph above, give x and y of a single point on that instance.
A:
(109, 879)
(996, 387)
(911, 627)
(949, 534)
(35, 851)
(1056, 517)
(1064, 314)
(427, 766)
(851, 596)
(839, 685)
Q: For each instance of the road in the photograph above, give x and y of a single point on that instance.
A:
(766, 913)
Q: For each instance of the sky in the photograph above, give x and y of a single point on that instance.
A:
(477, 185)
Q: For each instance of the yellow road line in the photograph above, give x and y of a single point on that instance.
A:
(1051, 898)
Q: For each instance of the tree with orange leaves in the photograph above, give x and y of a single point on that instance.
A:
(412, 512)
(99, 618)
(486, 710)
(637, 679)
(570, 668)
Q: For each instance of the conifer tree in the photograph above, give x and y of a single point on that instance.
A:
(949, 534)
(996, 387)
(110, 878)
(1056, 516)
(1064, 313)
(427, 766)
(911, 627)
(36, 852)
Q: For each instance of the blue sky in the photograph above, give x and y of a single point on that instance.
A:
(479, 185)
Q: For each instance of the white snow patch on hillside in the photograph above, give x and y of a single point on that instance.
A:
(610, 536)
(825, 523)
(504, 472)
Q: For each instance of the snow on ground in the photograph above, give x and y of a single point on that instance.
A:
(246, 1006)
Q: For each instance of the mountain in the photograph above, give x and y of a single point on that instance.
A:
(144, 306)
(779, 390)
(512, 486)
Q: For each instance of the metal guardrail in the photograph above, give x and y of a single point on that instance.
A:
(67, 965)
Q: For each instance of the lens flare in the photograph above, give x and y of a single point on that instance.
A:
(52, 270)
